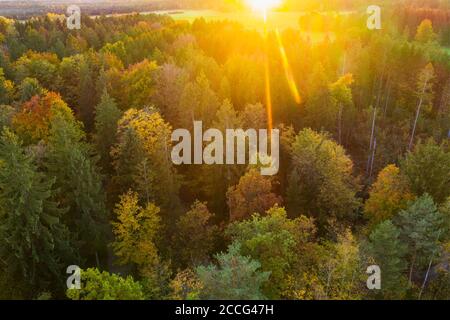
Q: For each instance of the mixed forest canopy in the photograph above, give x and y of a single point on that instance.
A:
(86, 178)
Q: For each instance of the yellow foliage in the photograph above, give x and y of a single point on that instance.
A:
(389, 194)
(135, 232)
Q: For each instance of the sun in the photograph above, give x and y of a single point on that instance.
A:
(263, 5)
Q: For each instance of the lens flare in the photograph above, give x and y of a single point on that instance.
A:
(263, 5)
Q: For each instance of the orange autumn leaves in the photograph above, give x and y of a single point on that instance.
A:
(33, 120)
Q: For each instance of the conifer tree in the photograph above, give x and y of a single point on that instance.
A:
(35, 246)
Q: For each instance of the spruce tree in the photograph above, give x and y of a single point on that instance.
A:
(35, 246)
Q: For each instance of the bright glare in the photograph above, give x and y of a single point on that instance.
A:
(263, 5)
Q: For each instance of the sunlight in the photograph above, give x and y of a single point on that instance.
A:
(288, 70)
(263, 5)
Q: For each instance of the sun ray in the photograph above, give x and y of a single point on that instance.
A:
(288, 70)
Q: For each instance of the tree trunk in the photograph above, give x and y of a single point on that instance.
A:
(417, 117)
(412, 268)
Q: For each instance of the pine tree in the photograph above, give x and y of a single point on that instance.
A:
(107, 114)
(422, 227)
(69, 160)
(35, 245)
(236, 277)
(389, 253)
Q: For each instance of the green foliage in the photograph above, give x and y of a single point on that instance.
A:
(131, 79)
(30, 87)
(106, 117)
(321, 182)
(97, 285)
(422, 228)
(236, 277)
(70, 162)
(389, 252)
(141, 158)
(427, 170)
(34, 243)
(273, 241)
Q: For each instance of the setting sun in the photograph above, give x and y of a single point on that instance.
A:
(263, 5)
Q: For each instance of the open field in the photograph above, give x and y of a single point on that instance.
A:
(251, 20)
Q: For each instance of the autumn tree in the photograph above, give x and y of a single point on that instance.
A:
(185, 286)
(425, 32)
(253, 194)
(138, 85)
(33, 120)
(389, 194)
(339, 268)
(170, 81)
(41, 66)
(320, 182)
(254, 116)
(136, 230)
(195, 234)
(342, 101)
(141, 158)
(6, 89)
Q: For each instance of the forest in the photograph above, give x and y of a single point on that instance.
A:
(86, 178)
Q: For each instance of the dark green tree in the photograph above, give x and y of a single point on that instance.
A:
(427, 170)
(422, 227)
(236, 277)
(69, 160)
(35, 246)
(107, 114)
(389, 252)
